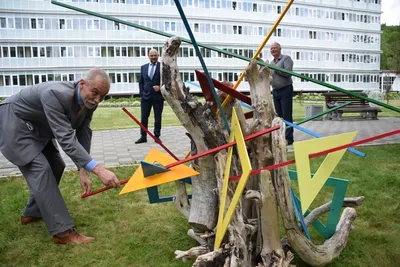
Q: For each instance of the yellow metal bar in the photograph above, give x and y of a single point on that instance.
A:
(259, 49)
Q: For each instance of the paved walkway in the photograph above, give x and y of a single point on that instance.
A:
(117, 147)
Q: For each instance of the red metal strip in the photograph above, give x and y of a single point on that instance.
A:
(314, 155)
(193, 157)
(219, 85)
(216, 149)
(149, 133)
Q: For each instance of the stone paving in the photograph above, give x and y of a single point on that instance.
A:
(117, 147)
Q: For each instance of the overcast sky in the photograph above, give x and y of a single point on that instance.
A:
(391, 12)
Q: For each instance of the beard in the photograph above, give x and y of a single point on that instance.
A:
(90, 104)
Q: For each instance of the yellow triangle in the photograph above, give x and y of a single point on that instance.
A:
(138, 181)
(310, 187)
(223, 221)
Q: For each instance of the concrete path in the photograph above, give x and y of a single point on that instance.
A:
(117, 147)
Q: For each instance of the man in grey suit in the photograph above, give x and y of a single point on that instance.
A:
(282, 86)
(30, 122)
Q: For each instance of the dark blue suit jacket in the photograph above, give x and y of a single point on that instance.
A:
(146, 85)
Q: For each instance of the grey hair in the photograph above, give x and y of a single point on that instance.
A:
(153, 50)
(278, 44)
(97, 72)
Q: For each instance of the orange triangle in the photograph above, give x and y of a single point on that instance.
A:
(138, 181)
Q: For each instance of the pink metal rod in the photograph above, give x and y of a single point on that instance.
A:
(216, 149)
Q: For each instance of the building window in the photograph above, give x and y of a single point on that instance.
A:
(3, 23)
(20, 51)
(5, 52)
(237, 29)
(62, 24)
(22, 80)
(40, 24)
(33, 23)
(13, 52)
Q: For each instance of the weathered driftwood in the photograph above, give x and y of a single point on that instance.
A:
(268, 240)
(252, 238)
(309, 252)
(192, 253)
(318, 212)
(202, 124)
(181, 199)
(236, 238)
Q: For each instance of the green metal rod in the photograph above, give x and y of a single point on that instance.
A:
(228, 53)
(321, 114)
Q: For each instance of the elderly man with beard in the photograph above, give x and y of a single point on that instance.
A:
(30, 123)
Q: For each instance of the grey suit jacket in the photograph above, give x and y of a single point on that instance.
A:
(36, 115)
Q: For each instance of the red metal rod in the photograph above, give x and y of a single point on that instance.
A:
(194, 157)
(216, 149)
(101, 189)
(149, 133)
(314, 155)
(152, 136)
(278, 165)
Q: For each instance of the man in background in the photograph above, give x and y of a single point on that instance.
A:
(150, 95)
(282, 86)
(30, 123)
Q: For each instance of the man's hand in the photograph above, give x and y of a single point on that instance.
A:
(85, 182)
(156, 88)
(107, 177)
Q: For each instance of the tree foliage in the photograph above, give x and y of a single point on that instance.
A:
(391, 48)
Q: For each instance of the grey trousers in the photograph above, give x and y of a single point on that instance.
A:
(43, 174)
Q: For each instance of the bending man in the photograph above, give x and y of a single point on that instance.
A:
(30, 122)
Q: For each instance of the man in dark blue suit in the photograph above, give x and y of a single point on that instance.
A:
(150, 95)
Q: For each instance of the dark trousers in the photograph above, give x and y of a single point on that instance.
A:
(43, 174)
(283, 102)
(145, 108)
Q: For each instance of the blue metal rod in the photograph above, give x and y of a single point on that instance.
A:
(297, 210)
(307, 131)
(193, 83)
(246, 105)
(196, 48)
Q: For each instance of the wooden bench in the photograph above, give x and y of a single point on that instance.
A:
(362, 106)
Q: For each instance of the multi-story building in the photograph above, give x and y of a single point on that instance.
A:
(336, 41)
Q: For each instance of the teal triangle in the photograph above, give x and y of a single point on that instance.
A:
(150, 169)
(340, 185)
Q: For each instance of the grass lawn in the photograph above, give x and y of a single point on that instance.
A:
(106, 118)
(132, 232)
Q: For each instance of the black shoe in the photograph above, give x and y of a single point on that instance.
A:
(141, 140)
(158, 138)
(289, 142)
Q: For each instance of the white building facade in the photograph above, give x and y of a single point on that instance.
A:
(336, 41)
